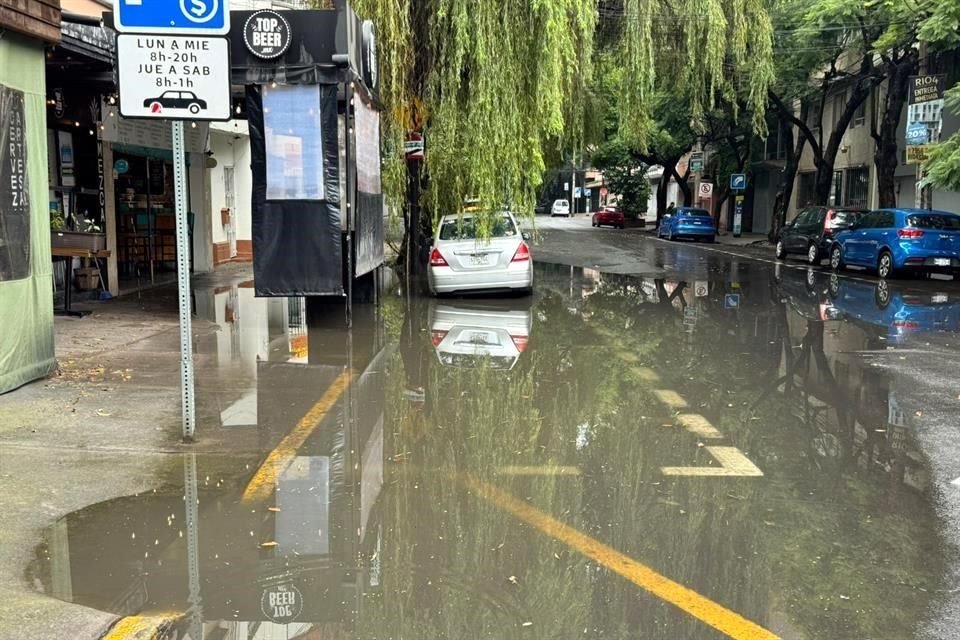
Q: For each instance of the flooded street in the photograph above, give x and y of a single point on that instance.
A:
(723, 448)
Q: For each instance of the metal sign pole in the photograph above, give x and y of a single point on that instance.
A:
(183, 282)
(192, 507)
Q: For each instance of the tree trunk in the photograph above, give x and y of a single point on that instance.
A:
(785, 195)
(887, 137)
(682, 182)
(669, 168)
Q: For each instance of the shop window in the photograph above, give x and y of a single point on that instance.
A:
(294, 142)
(14, 190)
(860, 115)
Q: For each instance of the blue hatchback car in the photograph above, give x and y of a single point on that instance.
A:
(688, 222)
(895, 241)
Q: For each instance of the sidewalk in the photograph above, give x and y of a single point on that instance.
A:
(745, 240)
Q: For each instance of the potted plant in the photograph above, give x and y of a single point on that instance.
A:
(91, 238)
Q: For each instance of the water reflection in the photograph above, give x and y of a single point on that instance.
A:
(369, 532)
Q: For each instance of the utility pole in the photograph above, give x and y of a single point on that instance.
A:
(573, 183)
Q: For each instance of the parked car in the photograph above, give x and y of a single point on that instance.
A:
(609, 216)
(462, 262)
(560, 208)
(812, 232)
(487, 331)
(893, 241)
(688, 222)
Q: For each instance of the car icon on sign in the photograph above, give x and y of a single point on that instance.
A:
(176, 100)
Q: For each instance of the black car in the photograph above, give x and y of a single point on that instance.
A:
(176, 100)
(811, 233)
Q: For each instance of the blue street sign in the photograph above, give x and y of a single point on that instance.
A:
(172, 17)
(738, 181)
(918, 133)
(731, 301)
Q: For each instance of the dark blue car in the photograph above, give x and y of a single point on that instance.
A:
(895, 241)
(688, 222)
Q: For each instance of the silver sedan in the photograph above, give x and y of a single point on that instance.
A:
(460, 262)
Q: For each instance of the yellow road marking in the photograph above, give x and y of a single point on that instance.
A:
(733, 463)
(142, 627)
(711, 613)
(265, 479)
(548, 470)
(670, 398)
(697, 424)
(645, 374)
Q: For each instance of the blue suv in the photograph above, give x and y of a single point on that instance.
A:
(894, 241)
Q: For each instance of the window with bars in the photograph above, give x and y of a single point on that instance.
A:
(229, 195)
(858, 188)
(836, 193)
(860, 115)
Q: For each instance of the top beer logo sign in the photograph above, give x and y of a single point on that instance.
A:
(267, 34)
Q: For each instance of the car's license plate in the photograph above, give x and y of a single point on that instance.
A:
(941, 262)
(478, 338)
(478, 258)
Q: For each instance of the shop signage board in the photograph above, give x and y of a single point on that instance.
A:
(281, 604)
(196, 17)
(267, 34)
(696, 162)
(174, 77)
(925, 104)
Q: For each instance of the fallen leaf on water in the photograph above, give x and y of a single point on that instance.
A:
(527, 624)
(268, 545)
(842, 597)
(557, 556)
(513, 580)
(274, 509)
(103, 413)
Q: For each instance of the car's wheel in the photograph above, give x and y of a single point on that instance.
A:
(834, 288)
(619, 226)
(781, 250)
(813, 254)
(885, 268)
(194, 108)
(711, 239)
(836, 258)
(882, 294)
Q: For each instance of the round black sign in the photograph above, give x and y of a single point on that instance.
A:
(369, 48)
(282, 603)
(267, 34)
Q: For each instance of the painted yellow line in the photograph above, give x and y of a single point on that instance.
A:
(646, 374)
(724, 620)
(670, 398)
(697, 424)
(265, 479)
(147, 626)
(548, 470)
(733, 464)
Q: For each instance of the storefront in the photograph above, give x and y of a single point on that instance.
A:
(26, 307)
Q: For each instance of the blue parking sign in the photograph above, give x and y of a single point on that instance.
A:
(738, 181)
(172, 17)
(731, 301)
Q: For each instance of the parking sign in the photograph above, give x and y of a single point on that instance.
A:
(172, 17)
(738, 181)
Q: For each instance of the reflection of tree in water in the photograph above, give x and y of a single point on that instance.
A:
(786, 545)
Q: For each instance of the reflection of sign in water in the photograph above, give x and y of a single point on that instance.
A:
(281, 604)
(701, 288)
(731, 301)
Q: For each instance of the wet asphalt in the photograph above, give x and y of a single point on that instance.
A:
(666, 440)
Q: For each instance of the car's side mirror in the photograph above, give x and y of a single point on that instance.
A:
(526, 235)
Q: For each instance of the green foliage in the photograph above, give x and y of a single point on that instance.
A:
(943, 167)
(624, 176)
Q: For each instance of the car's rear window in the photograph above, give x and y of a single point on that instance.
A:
(703, 213)
(562, 203)
(844, 217)
(466, 229)
(934, 221)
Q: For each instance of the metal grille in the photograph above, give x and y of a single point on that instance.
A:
(836, 193)
(805, 192)
(858, 187)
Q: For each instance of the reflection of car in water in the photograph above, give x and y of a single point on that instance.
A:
(471, 335)
(901, 311)
(806, 293)
(176, 100)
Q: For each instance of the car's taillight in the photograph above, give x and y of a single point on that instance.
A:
(910, 234)
(520, 342)
(906, 324)
(437, 336)
(828, 220)
(437, 259)
(522, 254)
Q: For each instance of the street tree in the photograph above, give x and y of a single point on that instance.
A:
(625, 176)
(940, 31)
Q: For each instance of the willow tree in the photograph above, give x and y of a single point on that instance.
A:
(495, 86)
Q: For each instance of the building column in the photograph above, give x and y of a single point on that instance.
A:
(110, 217)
